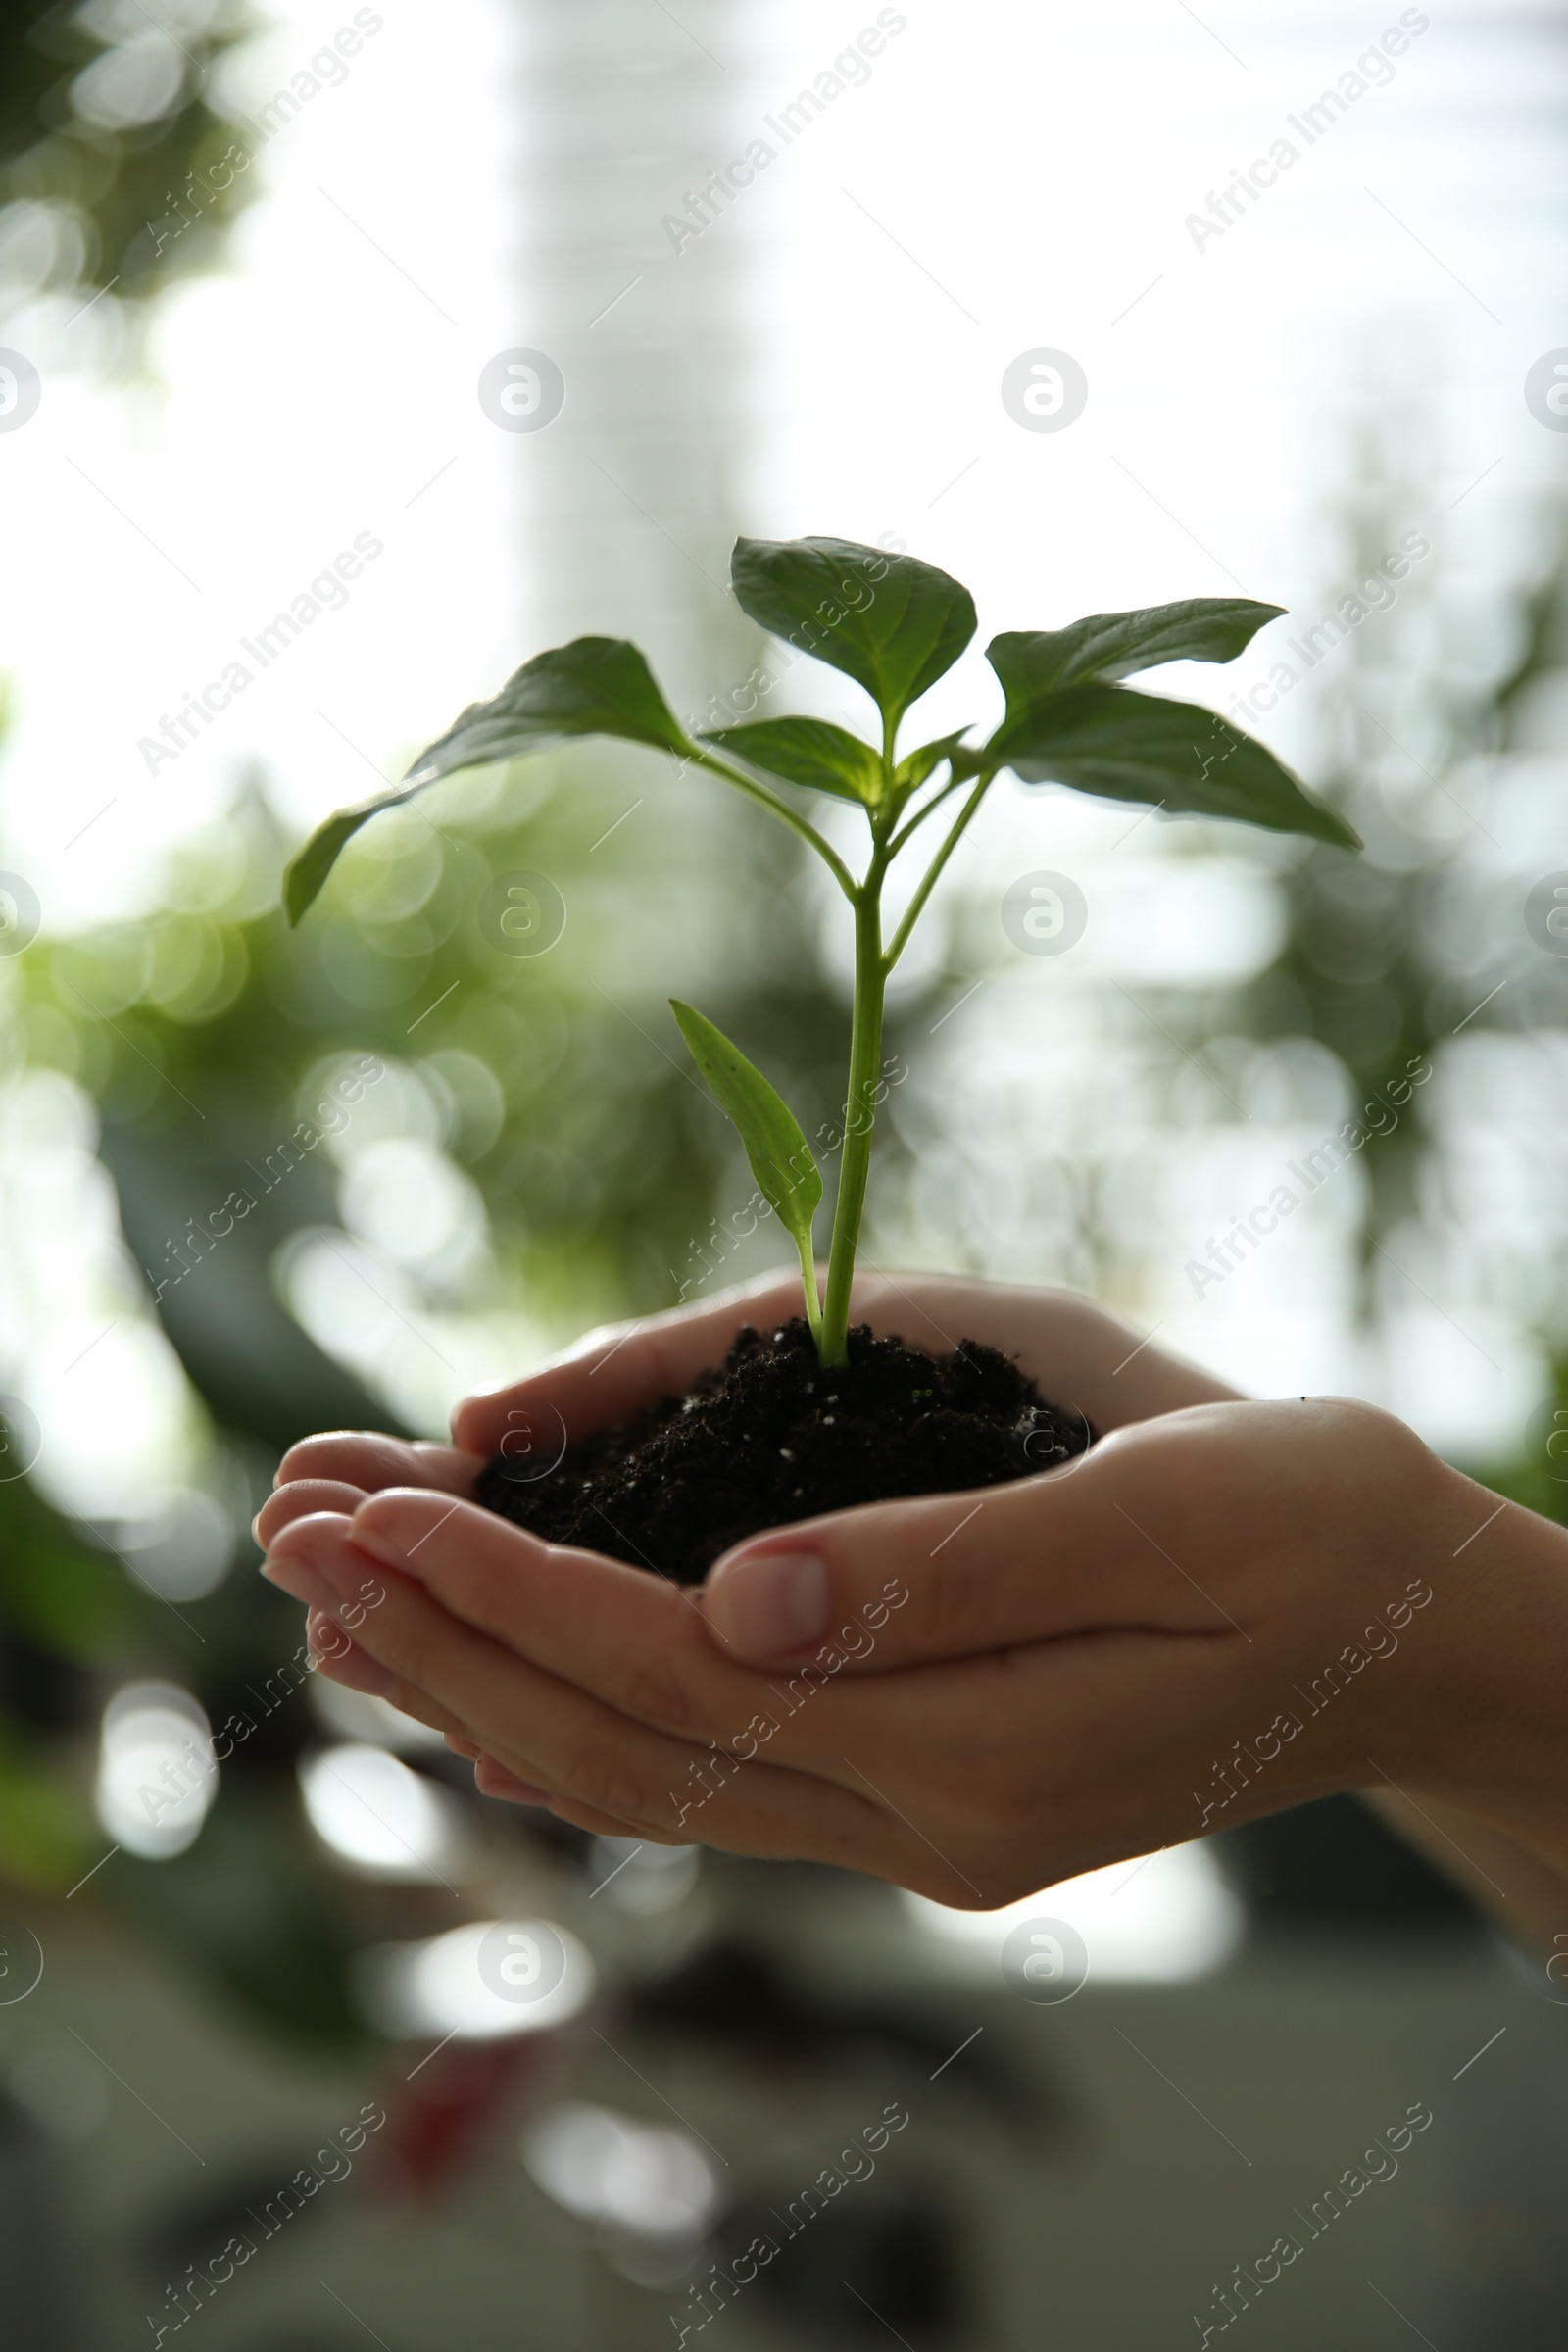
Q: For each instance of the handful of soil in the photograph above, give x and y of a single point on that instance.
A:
(769, 1438)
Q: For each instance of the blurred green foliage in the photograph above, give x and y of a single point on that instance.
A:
(1379, 962)
(1537, 1474)
(261, 1918)
(105, 134)
(555, 1084)
(1388, 957)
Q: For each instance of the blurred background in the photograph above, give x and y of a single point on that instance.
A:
(262, 281)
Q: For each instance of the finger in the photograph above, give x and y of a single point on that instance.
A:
(300, 1582)
(604, 1768)
(941, 1741)
(635, 1641)
(339, 1658)
(336, 1655)
(750, 1807)
(896, 1584)
(543, 1729)
(367, 1460)
(301, 1496)
(583, 1817)
(290, 1566)
(494, 1779)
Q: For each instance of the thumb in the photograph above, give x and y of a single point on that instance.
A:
(943, 1576)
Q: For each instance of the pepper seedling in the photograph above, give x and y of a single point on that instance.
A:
(895, 626)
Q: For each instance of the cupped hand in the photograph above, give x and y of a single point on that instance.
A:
(1221, 1610)
(1080, 1355)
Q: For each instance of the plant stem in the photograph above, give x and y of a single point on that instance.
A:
(814, 1303)
(860, 1110)
(787, 815)
(871, 969)
(928, 879)
(913, 823)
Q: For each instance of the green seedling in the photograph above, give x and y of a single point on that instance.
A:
(895, 626)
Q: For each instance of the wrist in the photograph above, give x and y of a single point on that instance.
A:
(1494, 1735)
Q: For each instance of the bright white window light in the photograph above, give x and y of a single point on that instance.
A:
(491, 1978)
(649, 2179)
(157, 1774)
(1160, 1921)
(405, 1196)
(181, 1546)
(358, 1717)
(383, 1820)
(645, 1878)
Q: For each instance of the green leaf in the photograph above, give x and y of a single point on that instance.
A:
(807, 750)
(1126, 745)
(915, 768)
(1032, 663)
(780, 1155)
(892, 625)
(594, 686)
(307, 870)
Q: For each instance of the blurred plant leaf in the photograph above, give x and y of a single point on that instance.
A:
(55, 1592)
(46, 1832)
(1032, 663)
(593, 686)
(1123, 745)
(71, 1601)
(807, 750)
(915, 768)
(238, 1906)
(893, 624)
(103, 118)
(779, 1153)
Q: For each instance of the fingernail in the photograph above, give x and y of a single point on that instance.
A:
(300, 1583)
(771, 1604)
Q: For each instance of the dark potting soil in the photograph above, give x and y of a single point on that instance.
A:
(769, 1438)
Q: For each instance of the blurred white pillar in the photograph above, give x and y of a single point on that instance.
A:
(629, 500)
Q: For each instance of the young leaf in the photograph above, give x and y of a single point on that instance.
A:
(915, 768)
(892, 625)
(594, 686)
(307, 870)
(806, 751)
(1126, 745)
(780, 1155)
(1034, 663)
